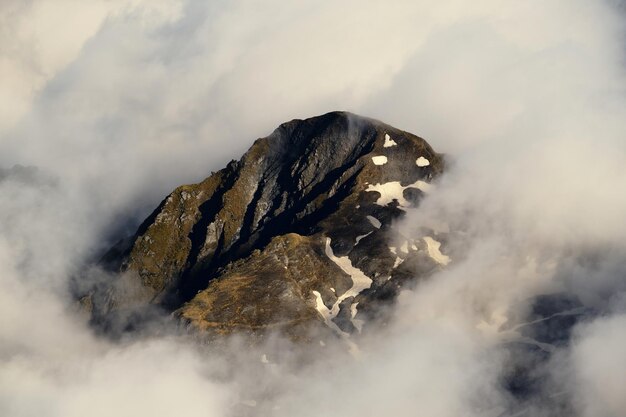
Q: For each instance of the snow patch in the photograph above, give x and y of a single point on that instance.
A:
(326, 313)
(360, 282)
(434, 252)
(321, 307)
(421, 185)
(389, 142)
(379, 160)
(388, 192)
(405, 247)
(422, 162)
(358, 238)
(397, 262)
(393, 191)
(375, 222)
(357, 323)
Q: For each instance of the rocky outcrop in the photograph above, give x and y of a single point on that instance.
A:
(294, 234)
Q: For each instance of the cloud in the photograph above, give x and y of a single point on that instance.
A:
(120, 101)
(599, 367)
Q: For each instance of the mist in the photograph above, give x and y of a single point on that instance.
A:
(117, 102)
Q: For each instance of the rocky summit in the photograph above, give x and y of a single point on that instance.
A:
(296, 234)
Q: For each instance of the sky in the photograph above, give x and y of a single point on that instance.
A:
(116, 102)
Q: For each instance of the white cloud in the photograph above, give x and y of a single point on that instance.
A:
(123, 100)
(599, 367)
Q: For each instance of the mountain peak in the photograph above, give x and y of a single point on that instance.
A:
(283, 237)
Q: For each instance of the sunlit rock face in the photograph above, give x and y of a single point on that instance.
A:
(296, 234)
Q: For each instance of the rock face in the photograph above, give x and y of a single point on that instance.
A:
(294, 234)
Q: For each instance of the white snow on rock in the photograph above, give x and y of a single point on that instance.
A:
(393, 250)
(375, 222)
(422, 162)
(393, 191)
(433, 251)
(327, 313)
(357, 323)
(421, 185)
(264, 359)
(321, 307)
(389, 142)
(379, 160)
(388, 192)
(397, 262)
(405, 247)
(358, 238)
(360, 282)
